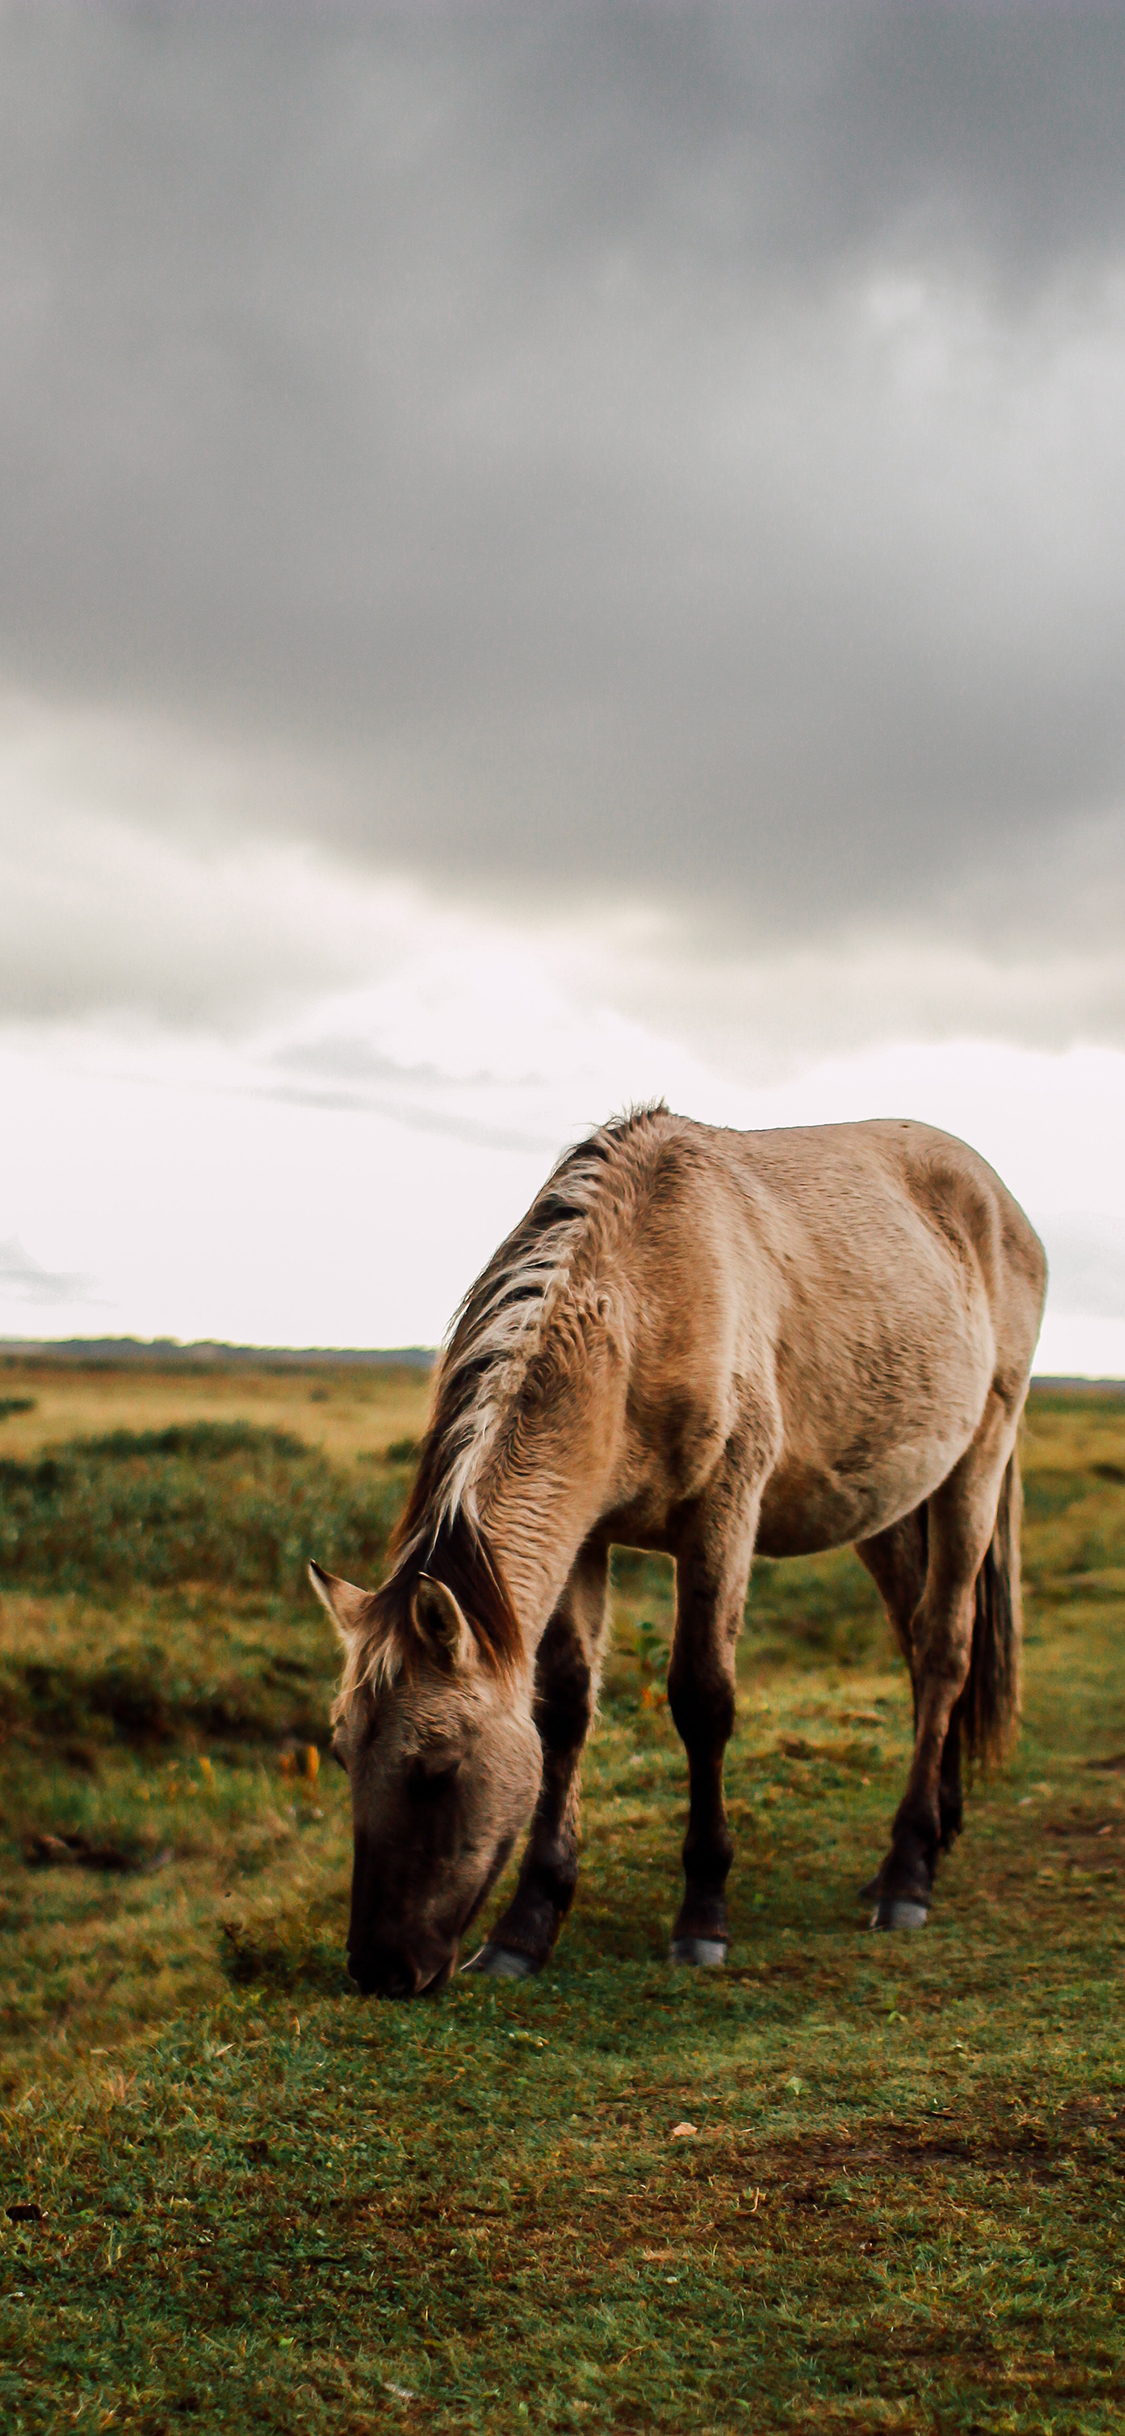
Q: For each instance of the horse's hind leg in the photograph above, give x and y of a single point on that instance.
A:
(951, 1805)
(897, 1560)
(962, 1517)
(566, 1675)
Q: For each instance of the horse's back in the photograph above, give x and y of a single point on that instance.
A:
(844, 1297)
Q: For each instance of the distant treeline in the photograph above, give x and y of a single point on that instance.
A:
(166, 1353)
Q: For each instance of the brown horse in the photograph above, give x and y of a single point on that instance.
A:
(703, 1342)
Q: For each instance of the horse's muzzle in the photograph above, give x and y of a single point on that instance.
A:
(380, 1970)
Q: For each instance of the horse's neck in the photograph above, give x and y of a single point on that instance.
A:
(543, 1502)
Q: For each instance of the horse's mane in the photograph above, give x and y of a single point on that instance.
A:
(496, 1338)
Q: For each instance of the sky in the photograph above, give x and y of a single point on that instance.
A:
(550, 555)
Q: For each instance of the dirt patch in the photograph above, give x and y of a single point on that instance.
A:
(73, 1850)
(1022, 2144)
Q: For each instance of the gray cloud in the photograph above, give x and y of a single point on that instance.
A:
(668, 449)
(24, 1280)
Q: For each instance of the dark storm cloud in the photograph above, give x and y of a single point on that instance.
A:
(676, 447)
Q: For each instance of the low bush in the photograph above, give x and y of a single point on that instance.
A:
(218, 1502)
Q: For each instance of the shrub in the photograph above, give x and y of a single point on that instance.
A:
(216, 1502)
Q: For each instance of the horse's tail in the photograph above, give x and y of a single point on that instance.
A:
(989, 1704)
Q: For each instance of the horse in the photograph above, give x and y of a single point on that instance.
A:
(702, 1342)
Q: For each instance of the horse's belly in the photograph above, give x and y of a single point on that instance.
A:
(806, 1508)
(876, 1412)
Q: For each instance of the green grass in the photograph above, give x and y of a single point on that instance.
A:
(267, 2204)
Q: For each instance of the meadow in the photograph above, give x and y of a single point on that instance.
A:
(849, 2184)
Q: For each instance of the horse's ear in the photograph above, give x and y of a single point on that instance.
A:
(440, 1624)
(347, 1605)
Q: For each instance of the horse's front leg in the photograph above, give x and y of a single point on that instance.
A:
(712, 1571)
(566, 1675)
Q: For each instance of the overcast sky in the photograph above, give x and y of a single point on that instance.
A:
(548, 554)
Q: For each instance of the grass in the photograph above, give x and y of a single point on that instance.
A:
(850, 2184)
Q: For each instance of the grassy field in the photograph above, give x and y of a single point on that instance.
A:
(849, 2184)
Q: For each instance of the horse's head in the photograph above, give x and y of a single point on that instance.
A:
(444, 1763)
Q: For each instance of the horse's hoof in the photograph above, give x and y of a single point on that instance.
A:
(704, 1953)
(898, 1912)
(500, 1962)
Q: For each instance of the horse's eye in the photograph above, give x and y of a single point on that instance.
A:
(429, 1779)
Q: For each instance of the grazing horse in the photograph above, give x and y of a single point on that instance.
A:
(703, 1342)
